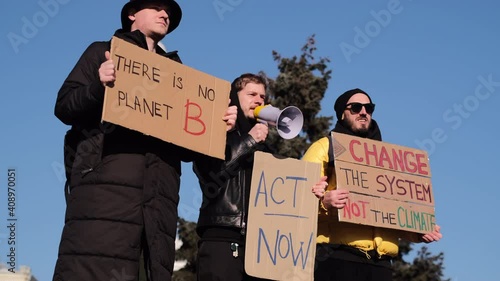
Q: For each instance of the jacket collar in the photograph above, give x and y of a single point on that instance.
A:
(137, 38)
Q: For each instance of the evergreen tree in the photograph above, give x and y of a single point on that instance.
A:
(302, 82)
(187, 252)
(425, 266)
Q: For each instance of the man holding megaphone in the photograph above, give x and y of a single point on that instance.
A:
(226, 187)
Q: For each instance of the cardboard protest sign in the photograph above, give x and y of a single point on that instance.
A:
(390, 185)
(282, 218)
(167, 100)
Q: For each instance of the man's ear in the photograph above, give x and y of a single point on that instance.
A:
(342, 116)
(131, 15)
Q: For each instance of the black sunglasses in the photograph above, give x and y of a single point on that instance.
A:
(355, 107)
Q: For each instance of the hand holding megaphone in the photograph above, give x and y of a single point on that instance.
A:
(259, 132)
(288, 121)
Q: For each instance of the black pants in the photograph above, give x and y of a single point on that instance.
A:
(217, 263)
(334, 266)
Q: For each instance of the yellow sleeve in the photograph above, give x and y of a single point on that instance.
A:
(318, 153)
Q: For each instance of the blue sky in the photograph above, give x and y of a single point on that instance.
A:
(432, 68)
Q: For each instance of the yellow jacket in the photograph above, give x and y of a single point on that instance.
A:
(330, 230)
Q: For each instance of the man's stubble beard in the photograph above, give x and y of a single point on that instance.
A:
(362, 132)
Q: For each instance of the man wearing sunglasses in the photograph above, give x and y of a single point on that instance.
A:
(346, 251)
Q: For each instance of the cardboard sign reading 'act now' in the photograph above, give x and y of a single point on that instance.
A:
(282, 219)
(390, 185)
(167, 100)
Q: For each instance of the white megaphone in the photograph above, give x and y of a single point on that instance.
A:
(288, 121)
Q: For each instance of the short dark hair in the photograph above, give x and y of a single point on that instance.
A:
(240, 82)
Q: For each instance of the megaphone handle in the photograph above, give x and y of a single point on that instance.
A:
(262, 121)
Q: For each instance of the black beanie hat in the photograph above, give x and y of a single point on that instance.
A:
(341, 102)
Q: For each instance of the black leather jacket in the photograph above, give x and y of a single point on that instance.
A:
(226, 184)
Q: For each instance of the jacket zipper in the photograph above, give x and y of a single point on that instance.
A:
(86, 171)
(243, 213)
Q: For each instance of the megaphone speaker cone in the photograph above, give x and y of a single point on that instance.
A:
(288, 121)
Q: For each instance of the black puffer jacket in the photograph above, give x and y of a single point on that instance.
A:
(122, 186)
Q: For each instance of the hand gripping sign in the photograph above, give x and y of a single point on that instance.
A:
(167, 100)
(390, 185)
(282, 218)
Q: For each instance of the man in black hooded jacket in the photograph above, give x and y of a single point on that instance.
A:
(122, 186)
(226, 188)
